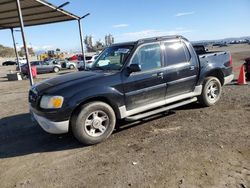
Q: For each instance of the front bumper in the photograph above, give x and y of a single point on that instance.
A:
(228, 79)
(51, 126)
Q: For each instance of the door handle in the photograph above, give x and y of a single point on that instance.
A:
(191, 67)
(160, 75)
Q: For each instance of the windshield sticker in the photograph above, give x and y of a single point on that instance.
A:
(123, 50)
(103, 63)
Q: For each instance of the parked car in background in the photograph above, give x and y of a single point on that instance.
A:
(65, 64)
(43, 66)
(21, 60)
(129, 81)
(24, 68)
(50, 66)
(89, 62)
(8, 63)
(80, 65)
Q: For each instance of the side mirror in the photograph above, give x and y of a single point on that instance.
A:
(134, 68)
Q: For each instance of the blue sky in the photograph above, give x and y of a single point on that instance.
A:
(133, 19)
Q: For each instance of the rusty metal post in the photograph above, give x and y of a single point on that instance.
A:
(81, 40)
(16, 53)
(24, 40)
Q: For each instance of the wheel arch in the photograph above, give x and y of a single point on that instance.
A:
(215, 73)
(56, 67)
(96, 99)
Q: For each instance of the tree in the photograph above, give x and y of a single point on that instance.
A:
(88, 41)
(30, 51)
(6, 51)
(99, 46)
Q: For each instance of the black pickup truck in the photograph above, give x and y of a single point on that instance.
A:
(129, 81)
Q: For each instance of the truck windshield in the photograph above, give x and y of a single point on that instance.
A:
(112, 58)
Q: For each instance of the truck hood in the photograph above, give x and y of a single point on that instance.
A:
(64, 79)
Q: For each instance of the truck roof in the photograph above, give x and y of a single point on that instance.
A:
(151, 39)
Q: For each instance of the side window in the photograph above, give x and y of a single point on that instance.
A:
(148, 57)
(175, 53)
(188, 55)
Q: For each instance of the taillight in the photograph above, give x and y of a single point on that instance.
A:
(231, 61)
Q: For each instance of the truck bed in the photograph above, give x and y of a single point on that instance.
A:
(215, 57)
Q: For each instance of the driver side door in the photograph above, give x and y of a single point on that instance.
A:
(149, 85)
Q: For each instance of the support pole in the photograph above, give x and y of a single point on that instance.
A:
(81, 39)
(14, 43)
(24, 41)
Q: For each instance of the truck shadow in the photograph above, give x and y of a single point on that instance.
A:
(20, 136)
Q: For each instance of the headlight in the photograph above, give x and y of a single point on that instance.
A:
(51, 102)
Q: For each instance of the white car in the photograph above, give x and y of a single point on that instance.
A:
(89, 62)
(22, 60)
(80, 65)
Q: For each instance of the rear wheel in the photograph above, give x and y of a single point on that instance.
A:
(71, 67)
(93, 123)
(248, 76)
(211, 92)
(56, 69)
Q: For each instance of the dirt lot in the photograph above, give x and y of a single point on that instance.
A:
(188, 147)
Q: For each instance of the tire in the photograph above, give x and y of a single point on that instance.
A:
(93, 123)
(248, 76)
(71, 67)
(211, 92)
(56, 69)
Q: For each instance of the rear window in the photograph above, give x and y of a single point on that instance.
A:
(88, 58)
(175, 53)
(35, 63)
(199, 49)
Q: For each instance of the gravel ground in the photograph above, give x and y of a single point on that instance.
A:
(187, 147)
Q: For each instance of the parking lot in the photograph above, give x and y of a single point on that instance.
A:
(187, 147)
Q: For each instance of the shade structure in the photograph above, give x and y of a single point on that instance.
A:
(34, 12)
(23, 13)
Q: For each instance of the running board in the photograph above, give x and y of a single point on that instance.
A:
(159, 110)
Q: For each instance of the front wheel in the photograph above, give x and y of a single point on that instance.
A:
(211, 92)
(56, 69)
(71, 67)
(93, 123)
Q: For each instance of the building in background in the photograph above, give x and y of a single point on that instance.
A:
(98, 45)
(109, 39)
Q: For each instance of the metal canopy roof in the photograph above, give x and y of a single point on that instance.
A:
(35, 12)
